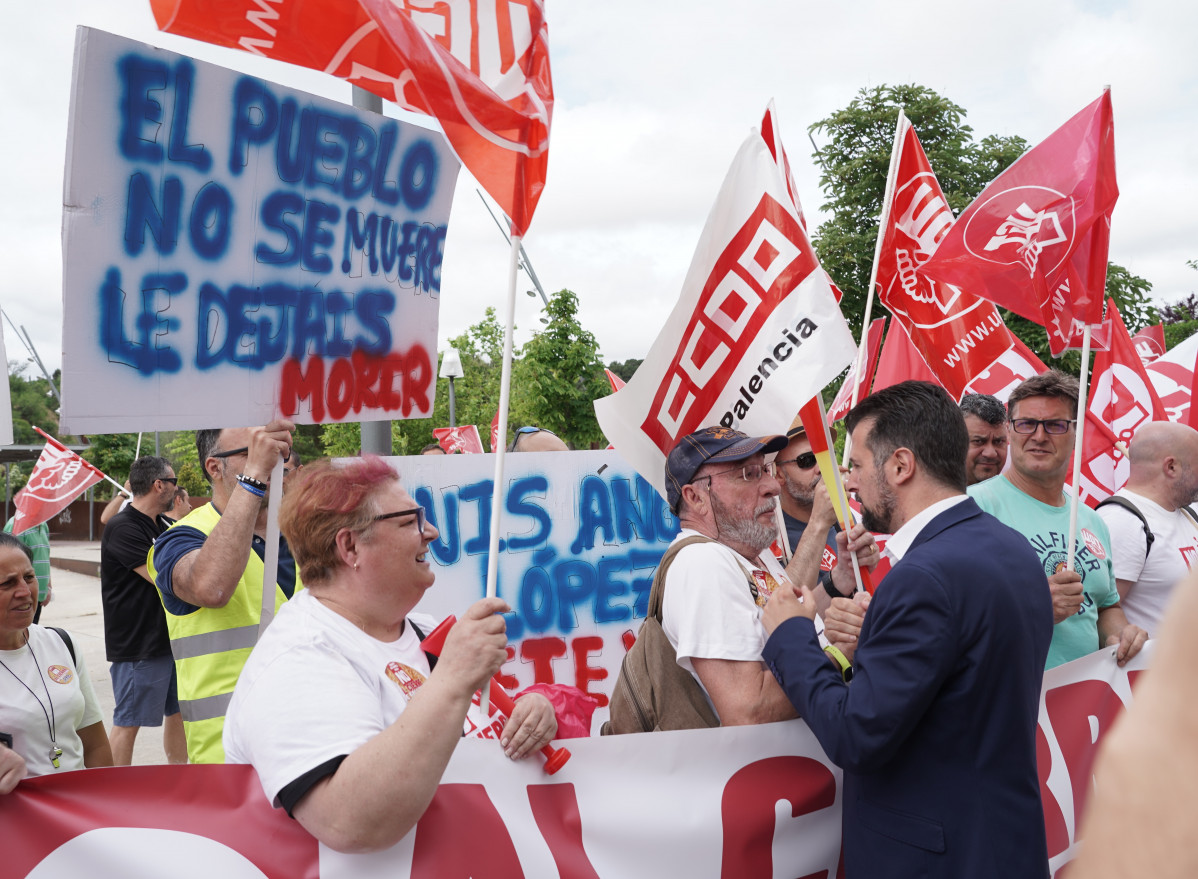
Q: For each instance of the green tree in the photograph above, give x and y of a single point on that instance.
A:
(626, 368)
(854, 163)
(561, 374)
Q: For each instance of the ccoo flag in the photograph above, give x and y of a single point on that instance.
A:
(1035, 241)
(756, 332)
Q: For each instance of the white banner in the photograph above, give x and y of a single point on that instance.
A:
(756, 332)
(735, 803)
(234, 250)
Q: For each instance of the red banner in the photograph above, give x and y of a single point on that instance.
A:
(58, 477)
(481, 68)
(461, 440)
(958, 334)
(1150, 343)
(1035, 240)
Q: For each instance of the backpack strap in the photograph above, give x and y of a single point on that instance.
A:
(432, 657)
(66, 639)
(1193, 515)
(1120, 501)
(658, 590)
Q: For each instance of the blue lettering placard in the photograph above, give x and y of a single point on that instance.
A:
(235, 250)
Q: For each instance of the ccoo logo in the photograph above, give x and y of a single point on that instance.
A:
(1032, 226)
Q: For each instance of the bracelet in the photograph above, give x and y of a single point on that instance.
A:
(254, 486)
(846, 667)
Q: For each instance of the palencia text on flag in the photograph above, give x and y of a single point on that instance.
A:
(58, 477)
(1036, 239)
(958, 334)
(481, 67)
(756, 332)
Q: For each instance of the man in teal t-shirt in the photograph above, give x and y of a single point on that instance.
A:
(1030, 498)
(38, 541)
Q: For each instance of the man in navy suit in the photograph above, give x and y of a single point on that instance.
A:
(936, 732)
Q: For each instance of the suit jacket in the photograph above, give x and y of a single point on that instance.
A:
(936, 734)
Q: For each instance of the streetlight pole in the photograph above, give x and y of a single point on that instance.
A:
(451, 368)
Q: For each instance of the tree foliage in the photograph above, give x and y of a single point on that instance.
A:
(854, 163)
(625, 368)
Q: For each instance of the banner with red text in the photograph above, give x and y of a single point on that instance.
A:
(756, 332)
(733, 803)
(958, 334)
(235, 250)
(480, 67)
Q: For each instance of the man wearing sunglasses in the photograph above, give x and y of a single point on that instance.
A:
(209, 570)
(809, 517)
(135, 636)
(1029, 497)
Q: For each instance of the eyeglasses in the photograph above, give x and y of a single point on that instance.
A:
(804, 461)
(244, 450)
(173, 480)
(418, 512)
(1052, 426)
(749, 473)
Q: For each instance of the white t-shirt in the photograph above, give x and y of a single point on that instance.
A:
(708, 611)
(317, 687)
(1174, 550)
(26, 713)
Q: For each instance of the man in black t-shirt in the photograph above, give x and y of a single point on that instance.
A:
(135, 634)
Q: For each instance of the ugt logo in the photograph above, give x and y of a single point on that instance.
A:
(1032, 226)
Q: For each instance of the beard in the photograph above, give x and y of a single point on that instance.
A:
(748, 532)
(880, 518)
(802, 495)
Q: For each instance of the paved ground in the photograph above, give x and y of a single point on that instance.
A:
(76, 607)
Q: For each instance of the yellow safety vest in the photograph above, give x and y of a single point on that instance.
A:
(211, 646)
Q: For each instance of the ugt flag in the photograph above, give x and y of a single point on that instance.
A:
(58, 478)
(756, 332)
(481, 67)
(1035, 241)
(958, 334)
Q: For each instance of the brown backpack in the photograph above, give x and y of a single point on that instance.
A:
(653, 692)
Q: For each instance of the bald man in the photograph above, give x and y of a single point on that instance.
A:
(1163, 482)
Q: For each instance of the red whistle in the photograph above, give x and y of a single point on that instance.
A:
(555, 758)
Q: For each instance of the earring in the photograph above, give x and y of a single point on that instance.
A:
(355, 566)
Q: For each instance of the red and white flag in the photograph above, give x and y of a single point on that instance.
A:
(1150, 343)
(1035, 241)
(481, 67)
(773, 141)
(1016, 364)
(58, 477)
(1123, 399)
(1172, 376)
(958, 334)
(616, 381)
(844, 397)
(756, 332)
(461, 440)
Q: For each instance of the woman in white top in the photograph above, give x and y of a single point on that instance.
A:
(50, 720)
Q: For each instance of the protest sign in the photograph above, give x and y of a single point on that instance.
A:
(582, 535)
(736, 803)
(236, 250)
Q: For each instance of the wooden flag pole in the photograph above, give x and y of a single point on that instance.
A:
(1079, 441)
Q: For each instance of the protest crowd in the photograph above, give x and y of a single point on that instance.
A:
(985, 526)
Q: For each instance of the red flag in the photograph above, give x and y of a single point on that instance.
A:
(58, 478)
(461, 440)
(1016, 364)
(844, 397)
(958, 334)
(1035, 241)
(495, 432)
(900, 361)
(616, 381)
(482, 69)
(1172, 375)
(1121, 398)
(1150, 343)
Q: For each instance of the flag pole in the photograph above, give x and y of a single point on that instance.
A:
(883, 218)
(1079, 441)
(505, 395)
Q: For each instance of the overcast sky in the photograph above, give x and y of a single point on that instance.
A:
(652, 101)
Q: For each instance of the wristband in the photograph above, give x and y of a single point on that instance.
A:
(846, 667)
(254, 486)
(831, 589)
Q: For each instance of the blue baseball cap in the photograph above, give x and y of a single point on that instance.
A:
(711, 444)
